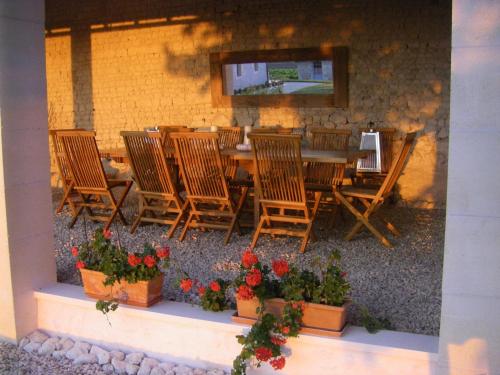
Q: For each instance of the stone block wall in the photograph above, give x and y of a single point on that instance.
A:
(129, 64)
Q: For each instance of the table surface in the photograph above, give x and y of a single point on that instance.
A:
(308, 155)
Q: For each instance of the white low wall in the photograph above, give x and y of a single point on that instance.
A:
(189, 335)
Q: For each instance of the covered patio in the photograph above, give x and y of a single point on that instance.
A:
(132, 65)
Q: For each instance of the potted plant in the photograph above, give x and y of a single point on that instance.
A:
(212, 297)
(325, 297)
(111, 273)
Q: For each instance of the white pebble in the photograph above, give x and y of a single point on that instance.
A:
(75, 352)
(157, 371)
(117, 354)
(108, 368)
(83, 346)
(199, 371)
(85, 358)
(215, 371)
(32, 347)
(151, 362)
(23, 342)
(134, 358)
(120, 366)
(102, 355)
(131, 369)
(66, 343)
(144, 369)
(58, 354)
(166, 366)
(183, 370)
(47, 347)
(38, 337)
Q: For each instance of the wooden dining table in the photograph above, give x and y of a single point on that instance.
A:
(245, 161)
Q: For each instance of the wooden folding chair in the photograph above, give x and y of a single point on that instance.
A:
(88, 178)
(280, 186)
(158, 195)
(372, 199)
(62, 169)
(327, 177)
(165, 132)
(206, 186)
(229, 138)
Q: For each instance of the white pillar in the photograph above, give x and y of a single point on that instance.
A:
(26, 243)
(470, 322)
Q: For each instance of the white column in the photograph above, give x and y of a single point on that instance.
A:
(26, 244)
(470, 322)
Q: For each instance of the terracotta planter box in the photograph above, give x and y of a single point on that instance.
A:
(316, 316)
(142, 293)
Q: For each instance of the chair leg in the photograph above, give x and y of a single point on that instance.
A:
(139, 215)
(65, 198)
(234, 220)
(117, 206)
(306, 237)
(186, 227)
(178, 219)
(257, 233)
(75, 217)
(362, 220)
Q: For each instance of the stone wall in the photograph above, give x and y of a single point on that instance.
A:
(128, 64)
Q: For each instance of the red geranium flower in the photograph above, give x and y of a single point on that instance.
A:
(163, 252)
(263, 354)
(74, 251)
(277, 363)
(299, 305)
(278, 340)
(134, 260)
(343, 274)
(254, 277)
(201, 290)
(80, 264)
(149, 261)
(106, 234)
(245, 293)
(215, 286)
(280, 267)
(285, 330)
(249, 259)
(186, 285)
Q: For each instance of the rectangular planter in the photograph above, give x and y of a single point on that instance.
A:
(316, 316)
(142, 293)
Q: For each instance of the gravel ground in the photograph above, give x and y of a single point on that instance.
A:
(14, 361)
(402, 284)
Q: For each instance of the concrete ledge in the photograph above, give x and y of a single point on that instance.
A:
(187, 334)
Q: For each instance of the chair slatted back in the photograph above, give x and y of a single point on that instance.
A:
(278, 165)
(82, 155)
(330, 139)
(200, 164)
(397, 166)
(386, 145)
(62, 163)
(165, 132)
(148, 162)
(323, 139)
(272, 130)
(229, 138)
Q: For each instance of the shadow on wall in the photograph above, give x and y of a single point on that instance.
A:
(391, 84)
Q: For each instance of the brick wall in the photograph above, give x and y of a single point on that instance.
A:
(126, 64)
